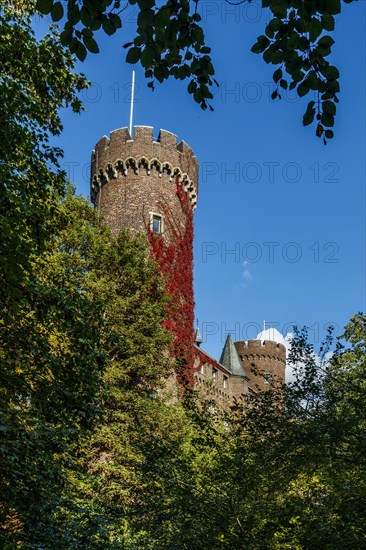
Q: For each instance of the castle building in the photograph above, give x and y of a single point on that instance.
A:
(151, 187)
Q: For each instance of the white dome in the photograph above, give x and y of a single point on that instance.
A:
(274, 335)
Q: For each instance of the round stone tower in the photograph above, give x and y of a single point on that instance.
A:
(150, 186)
(134, 181)
(264, 362)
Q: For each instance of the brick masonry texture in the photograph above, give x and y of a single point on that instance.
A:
(263, 362)
(131, 179)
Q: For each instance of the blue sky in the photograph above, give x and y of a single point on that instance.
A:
(280, 221)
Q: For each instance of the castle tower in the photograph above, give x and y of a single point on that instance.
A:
(134, 181)
(264, 362)
(150, 187)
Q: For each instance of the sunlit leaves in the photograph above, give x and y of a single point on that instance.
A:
(169, 41)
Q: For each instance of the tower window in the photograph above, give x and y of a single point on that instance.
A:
(156, 223)
(225, 382)
(268, 378)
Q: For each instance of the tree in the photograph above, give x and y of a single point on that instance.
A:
(170, 42)
(105, 471)
(51, 363)
(85, 354)
(284, 471)
(44, 400)
(31, 182)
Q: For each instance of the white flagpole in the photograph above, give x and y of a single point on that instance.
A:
(132, 101)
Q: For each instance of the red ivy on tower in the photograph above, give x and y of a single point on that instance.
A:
(175, 260)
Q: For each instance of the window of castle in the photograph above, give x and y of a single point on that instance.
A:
(214, 375)
(225, 382)
(268, 378)
(156, 223)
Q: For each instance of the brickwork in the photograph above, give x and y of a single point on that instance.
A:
(215, 382)
(263, 362)
(133, 179)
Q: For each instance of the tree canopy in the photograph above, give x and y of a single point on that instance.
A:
(170, 42)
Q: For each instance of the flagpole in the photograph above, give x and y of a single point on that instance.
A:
(132, 101)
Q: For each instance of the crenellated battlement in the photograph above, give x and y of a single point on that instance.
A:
(119, 153)
(265, 349)
(264, 361)
(262, 346)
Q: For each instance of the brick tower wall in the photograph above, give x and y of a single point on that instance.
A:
(134, 178)
(263, 362)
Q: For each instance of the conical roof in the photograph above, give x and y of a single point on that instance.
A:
(197, 337)
(230, 358)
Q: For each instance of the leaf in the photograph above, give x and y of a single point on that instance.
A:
(133, 55)
(57, 12)
(87, 33)
(145, 4)
(85, 17)
(333, 86)
(198, 97)
(315, 29)
(329, 134)
(44, 6)
(329, 107)
(269, 32)
(308, 117)
(74, 15)
(332, 7)
(275, 24)
(81, 51)
(145, 18)
(116, 20)
(319, 130)
(147, 57)
(66, 37)
(277, 75)
(73, 45)
(327, 119)
(162, 18)
(331, 73)
(91, 44)
(325, 41)
(108, 27)
(261, 44)
(303, 88)
(191, 87)
(327, 21)
(257, 48)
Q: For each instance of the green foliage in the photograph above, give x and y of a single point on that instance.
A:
(279, 471)
(85, 347)
(37, 79)
(296, 40)
(51, 362)
(170, 42)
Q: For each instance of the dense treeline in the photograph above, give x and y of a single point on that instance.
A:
(95, 451)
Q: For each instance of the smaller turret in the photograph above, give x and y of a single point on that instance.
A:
(264, 363)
